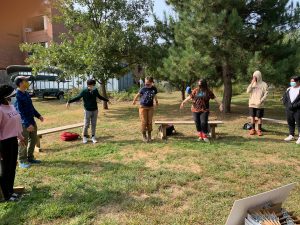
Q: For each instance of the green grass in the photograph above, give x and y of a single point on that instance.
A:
(123, 181)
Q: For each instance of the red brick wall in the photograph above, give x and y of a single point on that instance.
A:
(13, 16)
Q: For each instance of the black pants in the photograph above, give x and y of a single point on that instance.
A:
(9, 154)
(293, 118)
(201, 121)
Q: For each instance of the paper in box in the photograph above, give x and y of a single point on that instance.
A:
(241, 207)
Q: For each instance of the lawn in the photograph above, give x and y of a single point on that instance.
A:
(179, 181)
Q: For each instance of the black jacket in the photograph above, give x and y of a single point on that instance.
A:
(287, 101)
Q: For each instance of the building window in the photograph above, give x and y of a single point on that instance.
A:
(36, 23)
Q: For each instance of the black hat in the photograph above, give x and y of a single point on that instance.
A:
(20, 79)
(6, 91)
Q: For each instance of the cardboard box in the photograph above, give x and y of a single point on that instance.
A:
(241, 207)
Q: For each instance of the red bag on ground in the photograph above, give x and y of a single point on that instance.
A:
(68, 136)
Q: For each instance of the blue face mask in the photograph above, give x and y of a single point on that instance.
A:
(293, 84)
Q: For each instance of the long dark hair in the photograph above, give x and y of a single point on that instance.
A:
(203, 86)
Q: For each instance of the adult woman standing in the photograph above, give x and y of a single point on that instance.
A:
(291, 101)
(10, 132)
(201, 97)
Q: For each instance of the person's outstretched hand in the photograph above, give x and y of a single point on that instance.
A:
(181, 106)
(221, 108)
(134, 103)
(41, 119)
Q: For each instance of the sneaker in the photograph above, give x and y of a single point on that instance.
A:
(13, 199)
(205, 138)
(289, 138)
(259, 133)
(200, 135)
(24, 165)
(145, 138)
(252, 132)
(298, 141)
(94, 140)
(84, 140)
(34, 161)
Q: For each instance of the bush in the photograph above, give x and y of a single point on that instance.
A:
(122, 96)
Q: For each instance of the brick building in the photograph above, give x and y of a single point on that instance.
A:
(25, 21)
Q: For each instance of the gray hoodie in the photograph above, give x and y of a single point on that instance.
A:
(258, 92)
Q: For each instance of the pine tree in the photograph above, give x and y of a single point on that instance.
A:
(225, 35)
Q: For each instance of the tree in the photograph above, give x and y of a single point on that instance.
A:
(102, 39)
(224, 36)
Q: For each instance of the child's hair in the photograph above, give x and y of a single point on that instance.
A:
(5, 90)
(204, 85)
(295, 78)
(150, 79)
(91, 82)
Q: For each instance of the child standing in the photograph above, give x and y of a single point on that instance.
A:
(10, 132)
(147, 95)
(201, 97)
(291, 101)
(89, 95)
(258, 91)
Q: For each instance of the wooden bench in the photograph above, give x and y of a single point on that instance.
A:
(41, 133)
(165, 124)
(283, 122)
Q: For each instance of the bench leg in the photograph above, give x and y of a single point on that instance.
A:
(38, 144)
(213, 131)
(163, 132)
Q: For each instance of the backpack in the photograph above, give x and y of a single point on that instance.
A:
(170, 129)
(68, 136)
(247, 126)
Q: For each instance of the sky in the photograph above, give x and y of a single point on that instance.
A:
(160, 6)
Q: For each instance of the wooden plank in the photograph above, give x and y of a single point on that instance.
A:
(213, 130)
(186, 122)
(58, 129)
(283, 122)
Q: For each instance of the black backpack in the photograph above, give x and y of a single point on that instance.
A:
(170, 129)
(247, 126)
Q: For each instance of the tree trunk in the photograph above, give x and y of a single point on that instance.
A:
(227, 80)
(104, 93)
(182, 90)
(182, 93)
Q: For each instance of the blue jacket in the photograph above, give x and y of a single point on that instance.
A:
(25, 108)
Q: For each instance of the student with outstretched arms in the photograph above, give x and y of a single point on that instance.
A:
(200, 98)
(89, 96)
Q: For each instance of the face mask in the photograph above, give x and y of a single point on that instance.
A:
(26, 85)
(293, 84)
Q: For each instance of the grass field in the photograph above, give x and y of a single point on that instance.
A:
(123, 181)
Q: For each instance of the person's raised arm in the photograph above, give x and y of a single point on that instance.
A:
(250, 87)
(101, 97)
(136, 98)
(75, 99)
(185, 101)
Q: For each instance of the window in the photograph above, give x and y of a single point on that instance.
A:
(36, 23)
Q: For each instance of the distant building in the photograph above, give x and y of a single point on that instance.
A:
(29, 23)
